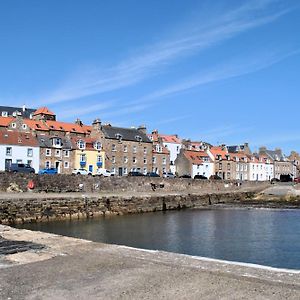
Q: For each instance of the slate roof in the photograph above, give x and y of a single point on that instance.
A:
(46, 142)
(10, 110)
(128, 134)
(275, 155)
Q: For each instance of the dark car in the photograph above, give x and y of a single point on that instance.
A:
(185, 176)
(273, 180)
(286, 178)
(20, 168)
(200, 177)
(135, 173)
(215, 177)
(152, 174)
(48, 171)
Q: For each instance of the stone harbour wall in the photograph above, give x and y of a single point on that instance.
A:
(40, 209)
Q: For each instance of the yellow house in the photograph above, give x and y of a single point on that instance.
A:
(88, 154)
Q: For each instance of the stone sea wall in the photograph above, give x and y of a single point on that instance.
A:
(75, 183)
(40, 209)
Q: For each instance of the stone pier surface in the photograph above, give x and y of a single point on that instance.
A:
(69, 268)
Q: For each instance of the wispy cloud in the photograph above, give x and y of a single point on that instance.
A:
(235, 68)
(152, 60)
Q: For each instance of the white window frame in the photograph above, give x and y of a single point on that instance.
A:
(47, 164)
(8, 153)
(48, 152)
(66, 165)
(66, 153)
(13, 125)
(29, 152)
(4, 114)
(57, 153)
(81, 144)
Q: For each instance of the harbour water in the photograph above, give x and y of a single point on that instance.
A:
(259, 236)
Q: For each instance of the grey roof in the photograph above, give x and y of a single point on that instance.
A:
(275, 155)
(127, 134)
(10, 110)
(233, 149)
(46, 142)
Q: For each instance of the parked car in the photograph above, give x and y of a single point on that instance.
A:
(152, 174)
(103, 172)
(135, 173)
(286, 178)
(81, 171)
(168, 175)
(48, 171)
(273, 180)
(297, 180)
(185, 176)
(20, 168)
(215, 177)
(200, 177)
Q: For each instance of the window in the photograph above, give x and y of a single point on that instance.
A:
(57, 152)
(47, 164)
(48, 152)
(220, 166)
(4, 114)
(9, 151)
(66, 153)
(66, 165)
(164, 161)
(29, 162)
(113, 147)
(19, 161)
(228, 166)
(145, 171)
(29, 152)
(82, 158)
(134, 149)
(13, 125)
(125, 159)
(99, 158)
(113, 170)
(24, 126)
(113, 159)
(145, 150)
(134, 160)
(56, 142)
(81, 144)
(154, 159)
(164, 170)
(125, 171)
(145, 160)
(177, 148)
(98, 146)
(125, 148)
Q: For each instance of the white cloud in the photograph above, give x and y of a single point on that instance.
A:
(199, 37)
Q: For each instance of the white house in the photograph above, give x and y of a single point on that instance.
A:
(257, 169)
(173, 144)
(17, 147)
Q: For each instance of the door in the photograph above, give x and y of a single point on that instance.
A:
(8, 163)
(91, 168)
(57, 166)
(120, 171)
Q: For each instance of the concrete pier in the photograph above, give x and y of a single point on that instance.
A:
(69, 268)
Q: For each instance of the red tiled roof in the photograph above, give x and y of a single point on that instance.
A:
(68, 127)
(170, 139)
(5, 121)
(36, 125)
(217, 150)
(194, 157)
(43, 110)
(17, 138)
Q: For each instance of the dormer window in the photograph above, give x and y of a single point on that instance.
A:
(158, 148)
(4, 114)
(138, 138)
(24, 126)
(57, 142)
(81, 144)
(30, 116)
(119, 136)
(14, 114)
(13, 125)
(98, 146)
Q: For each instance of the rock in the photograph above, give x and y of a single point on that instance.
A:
(14, 188)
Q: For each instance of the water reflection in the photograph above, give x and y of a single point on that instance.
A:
(268, 237)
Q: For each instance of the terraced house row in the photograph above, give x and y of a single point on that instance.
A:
(35, 137)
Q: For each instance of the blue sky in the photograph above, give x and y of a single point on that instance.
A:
(218, 71)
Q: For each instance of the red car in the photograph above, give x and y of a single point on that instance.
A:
(297, 180)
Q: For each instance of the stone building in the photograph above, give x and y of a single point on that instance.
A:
(126, 149)
(192, 163)
(295, 158)
(224, 165)
(56, 152)
(161, 154)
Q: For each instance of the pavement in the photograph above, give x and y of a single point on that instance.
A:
(69, 268)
